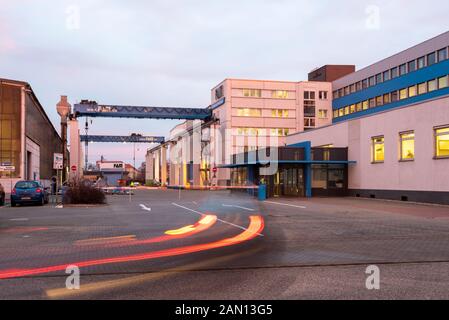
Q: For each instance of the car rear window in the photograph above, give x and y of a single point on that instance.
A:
(27, 185)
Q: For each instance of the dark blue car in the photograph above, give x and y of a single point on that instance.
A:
(29, 192)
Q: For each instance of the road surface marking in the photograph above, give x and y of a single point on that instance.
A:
(106, 240)
(239, 207)
(145, 207)
(226, 222)
(19, 219)
(286, 204)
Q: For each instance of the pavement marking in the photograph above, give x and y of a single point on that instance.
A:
(226, 222)
(233, 206)
(106, 240)
(19, 219)
(145, 207)
(286, 204)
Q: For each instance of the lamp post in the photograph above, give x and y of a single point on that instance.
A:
(64, 109)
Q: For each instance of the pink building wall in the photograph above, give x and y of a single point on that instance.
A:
(423, 174)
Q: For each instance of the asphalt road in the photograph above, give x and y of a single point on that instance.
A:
(165, 244)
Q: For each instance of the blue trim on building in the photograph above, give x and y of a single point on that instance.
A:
(412, 78)
(393, 105)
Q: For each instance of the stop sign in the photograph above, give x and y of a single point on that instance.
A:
(73, 168)
(214, 169)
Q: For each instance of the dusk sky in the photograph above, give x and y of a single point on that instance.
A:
(171, 53)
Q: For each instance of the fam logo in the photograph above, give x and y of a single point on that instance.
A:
(118, 165)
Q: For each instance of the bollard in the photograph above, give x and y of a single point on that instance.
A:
(262, 192)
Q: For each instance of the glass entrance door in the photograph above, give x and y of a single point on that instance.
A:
(293, 182)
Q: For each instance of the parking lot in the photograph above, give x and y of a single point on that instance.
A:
(167, 244)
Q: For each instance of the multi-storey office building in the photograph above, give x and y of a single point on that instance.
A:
(393, 116)
(255, 114)
(28, 139)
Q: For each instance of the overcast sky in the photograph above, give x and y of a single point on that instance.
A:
(171, 53)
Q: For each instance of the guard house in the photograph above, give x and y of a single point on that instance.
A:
(300, 170)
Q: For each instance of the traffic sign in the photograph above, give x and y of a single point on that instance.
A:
(58, 161)
(215, 169)
(74, 168)
(8, 168)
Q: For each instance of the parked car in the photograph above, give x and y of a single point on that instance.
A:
(29, 192)
(2, 195)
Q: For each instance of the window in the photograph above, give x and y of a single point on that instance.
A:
(387, 75)
(335, 94)
(365, 84)
(431, 85)
(365, 105)
(346, 90)
(352, 108)
(323, 95)
(309, 108)
(442, 142)
(372, 81)
(412, 91)
(254, 93)
(309, 95)
(422, 88)
(248, 131)
(412, 66)
(279, 132)
(279, 94)
(442, 82)
(322, 114)
(346, 111)
(431, 59)
(407, 144)
(352, 88)
(394, 96)
(340, 93)
(379, 101)
(379, 78)
(335, 114)
(403, 94)
(421, 62)
(279, 113)
(358, 107)
(358, 86)
(341, 112)
(309, 122)
(442, 55)
(378, 145)
(387, 98)
(394, 73)
(402, 69)
(372, 103)
(248, 112)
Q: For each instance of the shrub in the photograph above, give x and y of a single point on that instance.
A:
(83, 192)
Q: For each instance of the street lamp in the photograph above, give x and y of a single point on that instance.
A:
(64, 109)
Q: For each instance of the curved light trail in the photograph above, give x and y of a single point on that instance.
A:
(255, 227)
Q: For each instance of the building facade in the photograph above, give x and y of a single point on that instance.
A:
(28, 139)
(393, 117)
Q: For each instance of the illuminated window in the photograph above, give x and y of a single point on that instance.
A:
(443, 82)
(422, 88)
(378, 145)
(365, 105)
(387, 98)
(341, 112)
(335, 113)
(442, 142)
(279, 132)
(346, 110)
(403, 94)
(358, 107)
(254, 93)
(412, 91)
(407, 143)
(432, 85)
(322, 114)
(379, 101)
(249, 112)
(279, 113)
(248, 131)
(279, 94)
(352, 108)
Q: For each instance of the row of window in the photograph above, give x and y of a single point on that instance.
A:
(395, 72)
(421, 88)
(283, 94)
(277, 132)
(407, 145)
(280, 113)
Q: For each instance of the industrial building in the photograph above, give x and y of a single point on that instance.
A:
(28, 139)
